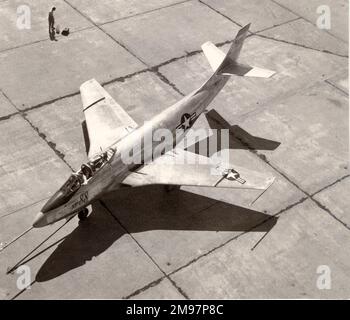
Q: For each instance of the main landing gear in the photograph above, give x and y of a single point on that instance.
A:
(83, 214)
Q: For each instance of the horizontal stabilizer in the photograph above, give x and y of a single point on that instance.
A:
(246, 71)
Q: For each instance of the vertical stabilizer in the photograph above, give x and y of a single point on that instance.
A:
(226, 64)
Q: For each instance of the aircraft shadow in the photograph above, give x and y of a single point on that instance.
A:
(144, 209)
(238, 139)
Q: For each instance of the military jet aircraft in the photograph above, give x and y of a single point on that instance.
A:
(112, 133)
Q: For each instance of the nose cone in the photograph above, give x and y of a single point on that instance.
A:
(39, 220)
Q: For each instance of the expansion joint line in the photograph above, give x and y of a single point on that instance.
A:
(165, 275)
(51, 144)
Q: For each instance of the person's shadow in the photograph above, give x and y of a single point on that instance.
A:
(152, 208)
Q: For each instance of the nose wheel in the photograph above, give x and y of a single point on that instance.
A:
(83, 214)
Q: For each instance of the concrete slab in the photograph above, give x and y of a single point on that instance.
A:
(314, 136)
(30, 170)
(306, 34)
(296, 68)
(171, 32)
(308, 9)
(13, 37)
(283, 265)
(261, 14)
(85, 263)
(6, 108)
(61, 121)
(49, 70)
(142, 96)
(162, 290)
(336, 199)
(110, 10)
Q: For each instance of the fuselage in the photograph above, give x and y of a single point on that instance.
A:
(177, 118)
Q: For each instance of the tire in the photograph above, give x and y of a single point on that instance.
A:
(83, 214)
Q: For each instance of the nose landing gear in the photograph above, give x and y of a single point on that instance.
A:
(83, 214)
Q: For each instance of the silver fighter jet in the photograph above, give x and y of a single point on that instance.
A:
(113, 133)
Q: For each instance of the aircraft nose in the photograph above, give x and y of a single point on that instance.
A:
(39, 220)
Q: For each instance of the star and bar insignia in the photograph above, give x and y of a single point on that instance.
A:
(186, 121)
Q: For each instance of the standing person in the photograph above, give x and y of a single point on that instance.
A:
(52, 24)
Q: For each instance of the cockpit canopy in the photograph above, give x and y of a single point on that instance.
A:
(73, 183)
(89, 169)
(77, 179)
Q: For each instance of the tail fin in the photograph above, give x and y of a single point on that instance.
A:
(227, 64)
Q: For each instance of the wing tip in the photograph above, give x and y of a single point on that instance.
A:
(269, 182)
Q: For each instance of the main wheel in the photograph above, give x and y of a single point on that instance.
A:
(83, 214)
